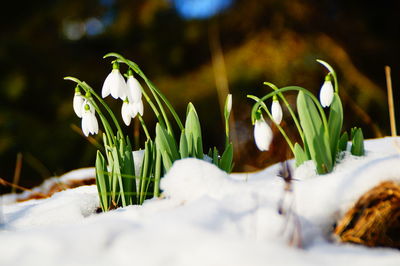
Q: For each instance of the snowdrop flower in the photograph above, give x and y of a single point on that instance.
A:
(326, 93)
(262, 134)
(130, 110)
(89, 121)
(114, 84)
(78, 102)
(134, 95)
(276, 111)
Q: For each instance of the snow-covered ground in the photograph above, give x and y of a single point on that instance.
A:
(206, 217)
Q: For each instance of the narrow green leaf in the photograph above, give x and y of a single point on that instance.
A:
(166, 142)
(193, 132)
(215, 157)
(357, 147)
(157, 174)
(299, 155)
(102, 181)
(335, 123)
(315, 136)
(226, 159)
(343, 141)
(183, 145)
(118, 176)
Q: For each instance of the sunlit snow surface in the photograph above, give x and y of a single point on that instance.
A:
(206, 218)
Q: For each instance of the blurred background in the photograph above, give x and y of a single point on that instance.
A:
(193, 50)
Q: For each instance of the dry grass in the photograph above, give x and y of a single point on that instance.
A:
(375, 218)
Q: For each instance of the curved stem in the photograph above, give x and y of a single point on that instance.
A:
(294, 117)
(86, 87)
(277, 125)
(146, 132)
(292, 88)
(332, 72)
(136, 68)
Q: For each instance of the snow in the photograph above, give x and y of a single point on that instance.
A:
(206, 217)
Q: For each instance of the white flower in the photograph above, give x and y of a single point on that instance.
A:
(134, 89)
(114, 84)
(326, 93)
(262, 134)
(127, 112)
(89, 121)
(276, 111)
(78, 103)
(134, 96)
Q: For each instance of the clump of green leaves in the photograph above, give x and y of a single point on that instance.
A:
(116, 181)
(320, 134)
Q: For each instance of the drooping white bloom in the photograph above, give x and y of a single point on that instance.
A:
(326, 93)
(114, 84)
(89, 120)
(78, 103)
(127, 112)
(276, 111)
(262, 134)
(134, 96)
(134, 89)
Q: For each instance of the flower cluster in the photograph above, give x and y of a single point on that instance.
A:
(129, 91)
(263, 133)
(320, 130)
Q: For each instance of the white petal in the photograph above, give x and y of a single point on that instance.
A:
(276, 112)
(139, 107)
(85, 124)
(94, 126)
(134, 89)
(262, 135)
(105, 91)
(78, 104)
(326, 94)
(125, 113)
(115, 84)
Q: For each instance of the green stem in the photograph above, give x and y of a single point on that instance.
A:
(332, 72)
(294, 117)
(146, 132)
(153, 88)
(292, 88)
(86, 87)
(277, 125)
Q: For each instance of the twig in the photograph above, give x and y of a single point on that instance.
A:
(390, 101)
(6, 183)
(17, 172)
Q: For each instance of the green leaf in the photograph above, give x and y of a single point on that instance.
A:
(183, 145)
(226, 159)
(193, 133)
(215, 156)
(157, 174)
(315, 136)
(357, 147)
(343, 141)
(118, 176)
(165, 142)
(102, 182)
(145, 172)
(299, 155)
(335, 124)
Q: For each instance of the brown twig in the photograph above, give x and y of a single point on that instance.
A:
(17, 171)
(4, 182)
(390, 101)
